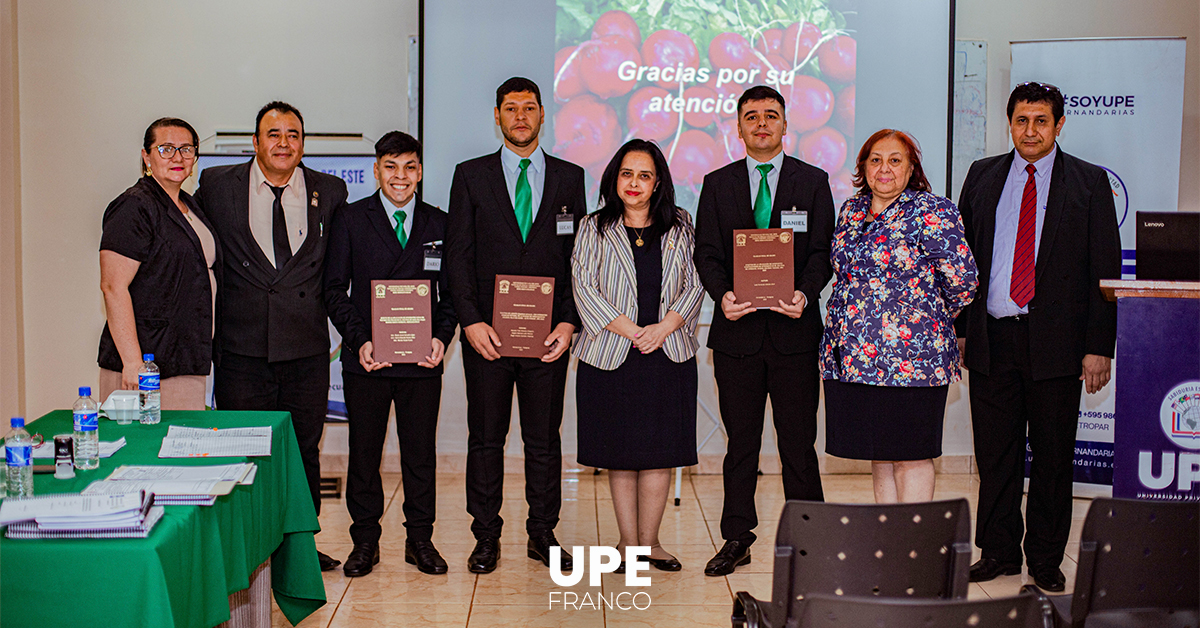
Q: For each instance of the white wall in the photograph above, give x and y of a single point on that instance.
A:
(92, 75)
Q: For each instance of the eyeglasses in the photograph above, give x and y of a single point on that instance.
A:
(1046, 87)
(167, 151)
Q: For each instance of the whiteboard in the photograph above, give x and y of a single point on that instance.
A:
(970, 109)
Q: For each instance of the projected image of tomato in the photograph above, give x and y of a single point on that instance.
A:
(824, 148)
(768, 41)
(837, 58)
(797, 41)
(691, 157)
(599, 62)
(586, 131)
(672, 71)
(729, 145)
(670, 49)
(841, 186)
(809, 103)
(617, 22)
(843, 111)
(696, 100)
(657, 125)
(567, 82)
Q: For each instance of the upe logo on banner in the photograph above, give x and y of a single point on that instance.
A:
(1180, 415)
(600, 560)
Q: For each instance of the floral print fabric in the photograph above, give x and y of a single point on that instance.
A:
(899, 283)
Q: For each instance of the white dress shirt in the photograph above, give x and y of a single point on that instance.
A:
(295, 210)
(536, 174)
(1008, 216)
(772, 177)
(390, 208)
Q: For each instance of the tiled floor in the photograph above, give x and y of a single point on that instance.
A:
(517, 593)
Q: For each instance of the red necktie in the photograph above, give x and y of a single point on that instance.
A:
(1020, 289)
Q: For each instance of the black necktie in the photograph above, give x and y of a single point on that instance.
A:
(279, 232)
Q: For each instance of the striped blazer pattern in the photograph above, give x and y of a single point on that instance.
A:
(605, 286)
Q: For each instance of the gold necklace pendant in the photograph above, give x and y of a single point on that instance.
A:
(639, 240)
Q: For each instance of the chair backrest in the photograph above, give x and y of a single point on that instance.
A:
(1026, 610)
(920, 550)
(1138, 554)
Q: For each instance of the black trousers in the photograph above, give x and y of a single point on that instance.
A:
(298, 386)
(489, 410)
(743, 384)
(368, 402)
(1004, 404)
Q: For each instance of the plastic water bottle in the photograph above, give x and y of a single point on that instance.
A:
(151, 411)
(87, 430)
(19, 445)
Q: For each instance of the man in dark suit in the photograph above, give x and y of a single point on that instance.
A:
(504, 219)
(1043, 229)
(761, 353)
(389, 235)
(270, 215)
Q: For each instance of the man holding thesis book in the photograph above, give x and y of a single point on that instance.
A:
(390, 235)
(761, 352)
(514, 212)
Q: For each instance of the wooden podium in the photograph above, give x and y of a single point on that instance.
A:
(1156, 440)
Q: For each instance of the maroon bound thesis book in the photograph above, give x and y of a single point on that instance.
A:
(521, 315)
(401, 325)
(763, 272)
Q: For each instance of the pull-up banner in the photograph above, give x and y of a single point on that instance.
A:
(1124, 113)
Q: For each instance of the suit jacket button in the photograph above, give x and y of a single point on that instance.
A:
(245, 264)
(301, 294)
(270, 291)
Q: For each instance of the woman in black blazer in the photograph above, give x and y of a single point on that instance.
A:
(157, 261)
(637, 291)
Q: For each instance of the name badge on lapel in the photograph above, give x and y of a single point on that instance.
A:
(433, 256)
(565, 222)
(797, 221)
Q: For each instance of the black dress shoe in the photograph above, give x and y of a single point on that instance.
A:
(620, 568)
(670, 564)
(361, 560)
(328, 563)
(425, 556)
(986, 569)
(484, 557)
(730, 556)
(1048, 578)
(539, 549)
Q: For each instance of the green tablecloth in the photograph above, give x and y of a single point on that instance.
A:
(182, 574)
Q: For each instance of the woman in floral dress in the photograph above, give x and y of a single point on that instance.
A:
(902, 273)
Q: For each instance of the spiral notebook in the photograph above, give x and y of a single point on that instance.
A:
(30, 530)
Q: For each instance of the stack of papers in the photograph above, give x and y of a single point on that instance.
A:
(73, 515)
(46, 449)
(196, 442)
(175, 485)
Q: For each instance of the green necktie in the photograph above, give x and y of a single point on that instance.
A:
(400, 216)
(524, 204)
(762, 202)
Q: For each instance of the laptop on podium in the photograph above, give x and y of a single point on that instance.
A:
(1168, 246)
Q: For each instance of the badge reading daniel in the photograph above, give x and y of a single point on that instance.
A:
(797, 221)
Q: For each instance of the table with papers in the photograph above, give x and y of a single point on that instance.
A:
(194, 558)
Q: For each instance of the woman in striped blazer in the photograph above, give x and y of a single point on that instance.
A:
(638, 296)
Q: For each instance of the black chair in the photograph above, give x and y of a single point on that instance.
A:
(920, 550)
(1027, 610)
(1139, 565)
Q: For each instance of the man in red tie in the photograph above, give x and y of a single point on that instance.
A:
(1043, 228)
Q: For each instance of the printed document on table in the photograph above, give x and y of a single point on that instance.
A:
(192, 442)
(161, 487)
(222, 472)
(16, 509)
